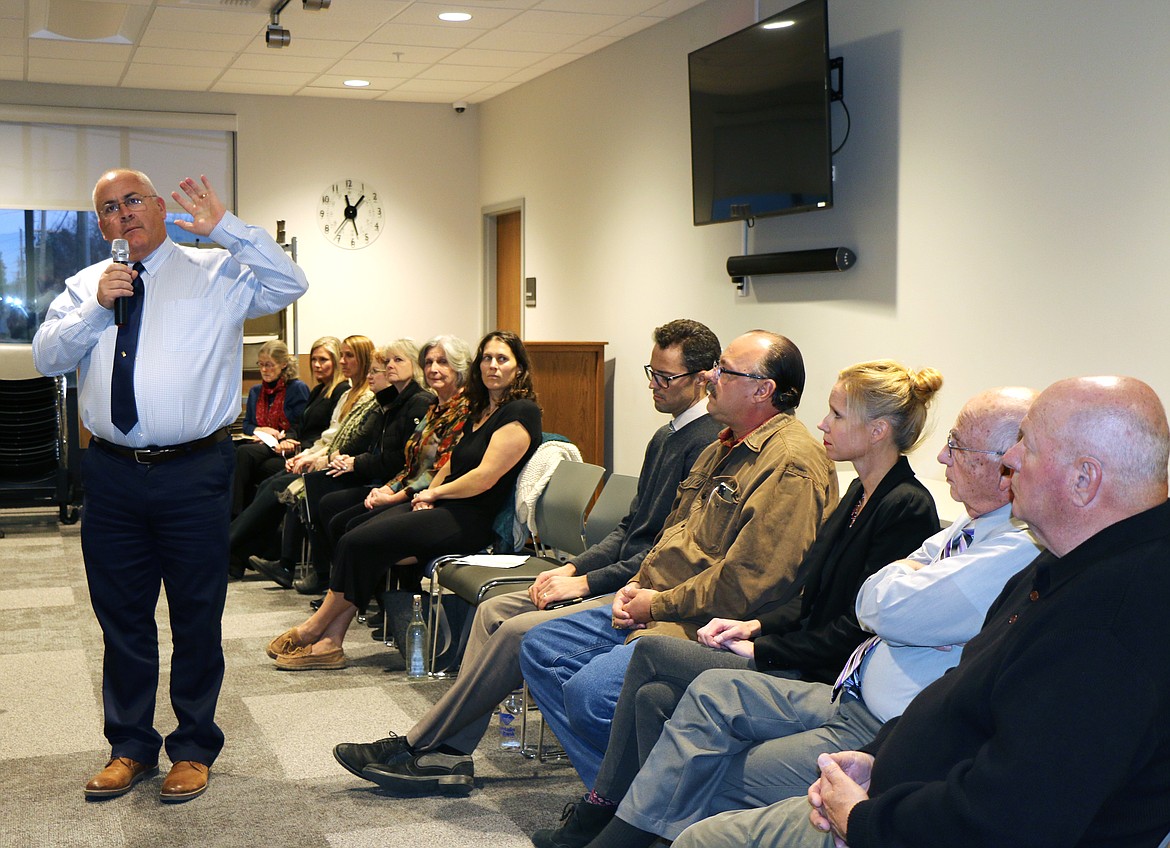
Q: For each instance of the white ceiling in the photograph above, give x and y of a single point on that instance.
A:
(400, 46)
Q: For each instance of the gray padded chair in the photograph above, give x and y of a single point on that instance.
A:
(560, 528)
(611, 507)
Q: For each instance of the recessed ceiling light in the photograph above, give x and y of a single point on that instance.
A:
(454, 17)
(779, 25)
(357, 83)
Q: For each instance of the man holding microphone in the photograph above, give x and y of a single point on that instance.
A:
(158, 392)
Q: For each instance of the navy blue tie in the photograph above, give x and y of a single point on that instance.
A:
(123, 409)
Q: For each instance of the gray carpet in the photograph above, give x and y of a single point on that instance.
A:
(276, 781)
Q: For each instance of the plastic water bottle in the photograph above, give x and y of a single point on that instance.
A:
(416, 641)
(509, 710)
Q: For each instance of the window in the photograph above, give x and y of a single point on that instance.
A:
(39, 250)
(53, 157)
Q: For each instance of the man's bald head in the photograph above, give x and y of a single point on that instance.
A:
(1092, 451)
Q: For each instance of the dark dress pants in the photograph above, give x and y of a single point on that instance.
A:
(146, 526)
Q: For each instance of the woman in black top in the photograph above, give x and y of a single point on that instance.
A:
(452, 515)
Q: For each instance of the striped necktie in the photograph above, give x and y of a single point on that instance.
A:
(849, 680)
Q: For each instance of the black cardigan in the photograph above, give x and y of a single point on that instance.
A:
(318, 412)
(386, 430)
(899, 516)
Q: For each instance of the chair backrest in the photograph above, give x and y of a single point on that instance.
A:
(560, 512)
(613, 504)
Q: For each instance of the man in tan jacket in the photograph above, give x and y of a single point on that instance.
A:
(731, 546)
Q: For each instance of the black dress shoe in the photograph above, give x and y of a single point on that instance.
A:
(274, 570)
(310, 584)
(315, 604)
(355, 756)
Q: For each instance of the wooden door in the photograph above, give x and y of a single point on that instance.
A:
(508, 270)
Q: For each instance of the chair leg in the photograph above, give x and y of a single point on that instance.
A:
(535, 752)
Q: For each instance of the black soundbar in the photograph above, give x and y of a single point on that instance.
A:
(792, 262)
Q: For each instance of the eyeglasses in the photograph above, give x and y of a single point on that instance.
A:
(661, 380)
(952, 446)
(377, 370)
(719, 371)
(266, 365)
(131, 204)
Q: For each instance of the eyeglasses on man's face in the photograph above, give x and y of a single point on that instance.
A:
(720, 370)
(953, 446)
(663, 381)
(133, 203)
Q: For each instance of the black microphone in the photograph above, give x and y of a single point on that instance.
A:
(120, 253)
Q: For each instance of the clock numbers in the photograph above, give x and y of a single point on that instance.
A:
(349, 214)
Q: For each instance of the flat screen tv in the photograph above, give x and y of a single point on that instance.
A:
(760, 132)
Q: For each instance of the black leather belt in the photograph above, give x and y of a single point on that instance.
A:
(152, 454)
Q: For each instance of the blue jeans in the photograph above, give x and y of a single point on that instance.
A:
(574, 667)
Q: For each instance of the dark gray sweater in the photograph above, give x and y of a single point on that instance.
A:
(611, 563)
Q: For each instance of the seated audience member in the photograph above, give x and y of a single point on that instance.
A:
(395, 379)
(256, 461)
(445, 362)
(1052, 730)
(877, 412)
(278, 400)
(254, 530)
(453, 514)
(731, 547)
(740, 739)
(436, 753)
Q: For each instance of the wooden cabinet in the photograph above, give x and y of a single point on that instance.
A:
(570, 384)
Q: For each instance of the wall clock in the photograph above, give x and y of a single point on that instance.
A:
(349, 214)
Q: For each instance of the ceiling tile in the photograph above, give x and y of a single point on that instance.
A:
(277, 62)
(561, 22)
(68, 70)
(600, 7)
(178, 40)
(171, 77)
(215, 62)
(423, 36)
(410, 55)
(250, 88)
(363, 69)
(495, 58)
(465, 73)
(195, 22)
(533, 42)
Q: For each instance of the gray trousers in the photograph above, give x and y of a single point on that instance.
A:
(782, 825)
(659, 673)
(740, 740)
(490, 670)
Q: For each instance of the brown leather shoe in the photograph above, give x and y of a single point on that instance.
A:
(187, 780)
(117, 778)
(303, 659)
(283, 643)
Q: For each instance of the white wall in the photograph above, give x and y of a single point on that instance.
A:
(422, 276)
(1005, 187)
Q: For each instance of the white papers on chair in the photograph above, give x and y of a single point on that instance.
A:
(267, 438)
(494, 560)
